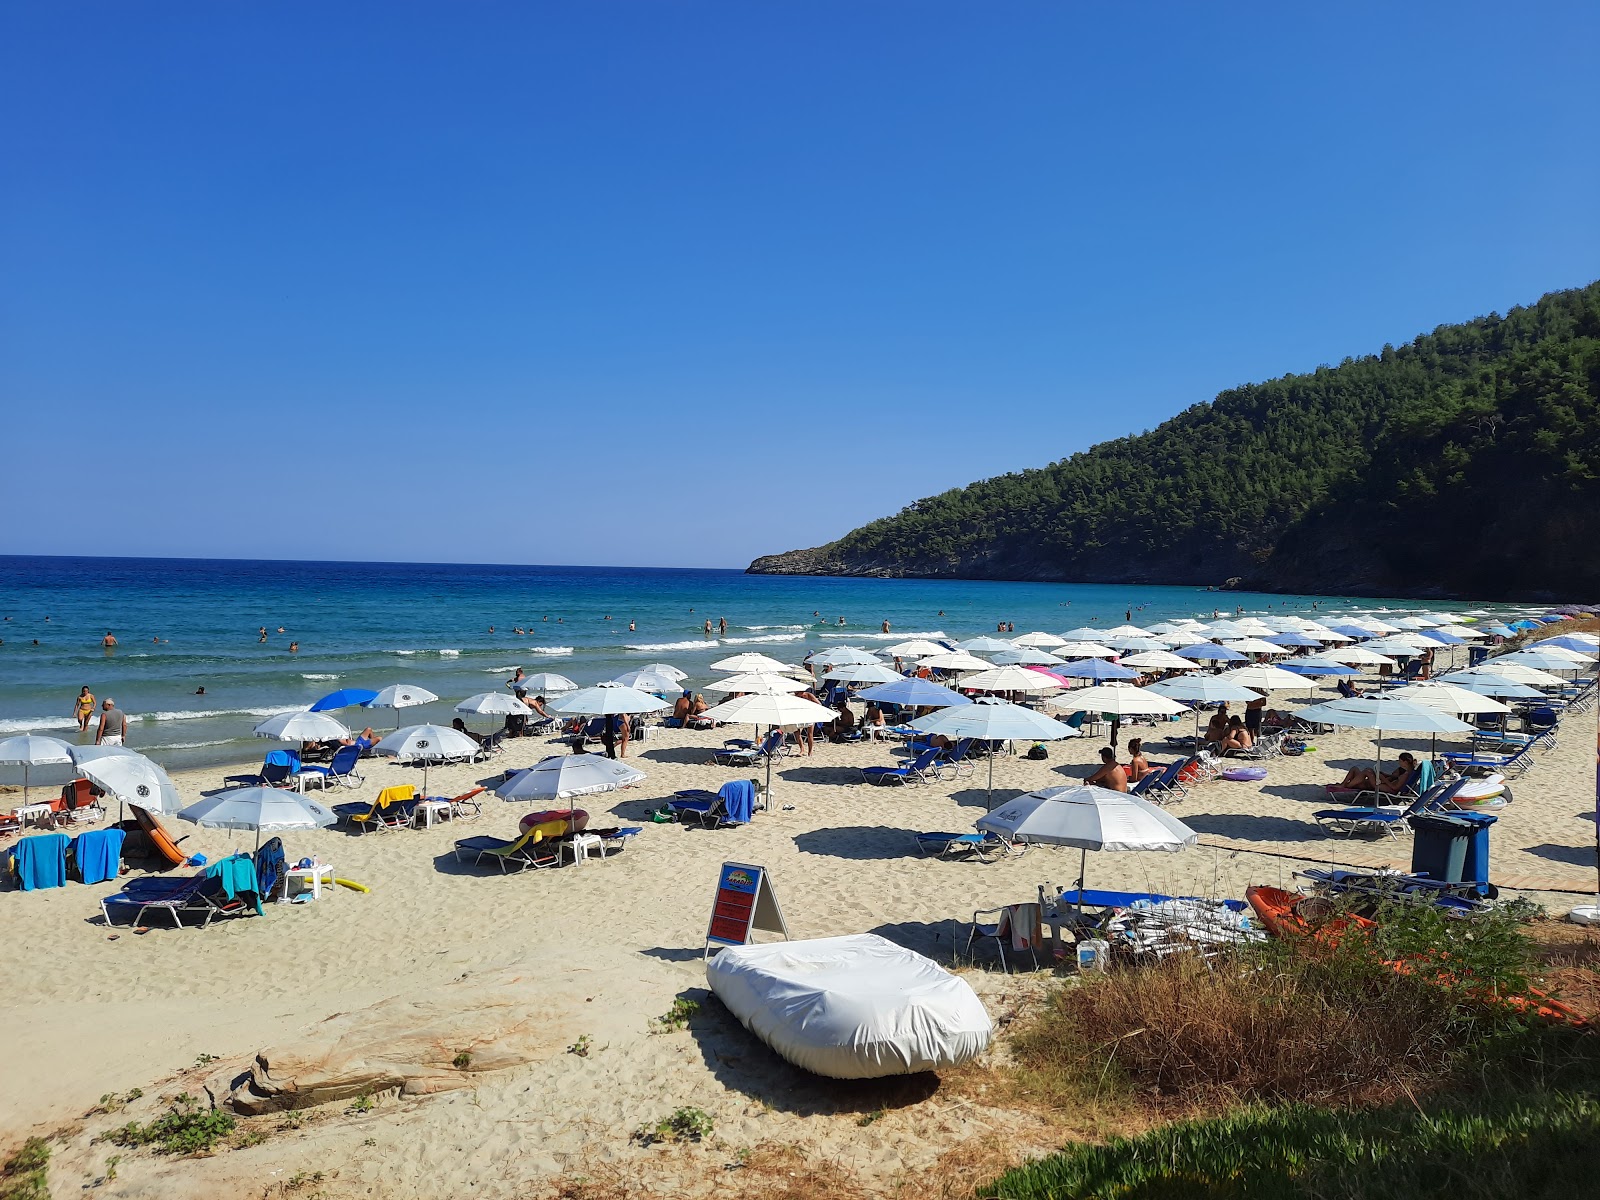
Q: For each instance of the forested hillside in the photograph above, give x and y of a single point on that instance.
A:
(1466, 462)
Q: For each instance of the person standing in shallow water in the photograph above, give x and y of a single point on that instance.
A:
(85, 708)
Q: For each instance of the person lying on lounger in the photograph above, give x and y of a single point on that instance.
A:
(1389, 782)
(460, 726)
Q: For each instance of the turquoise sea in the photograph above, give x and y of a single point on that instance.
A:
(183, 624)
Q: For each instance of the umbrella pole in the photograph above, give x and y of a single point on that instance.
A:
(1083, 867)
(988, 800)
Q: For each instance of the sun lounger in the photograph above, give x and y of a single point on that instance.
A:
(1389, 818)
(531, 849)
(771, 747)
(1513, 764)
(921, 769)
(733, 804)
(341, 769)
(392, 809)
(229, 887)
(981, 847)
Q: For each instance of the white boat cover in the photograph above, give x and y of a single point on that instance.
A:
(854, 1007)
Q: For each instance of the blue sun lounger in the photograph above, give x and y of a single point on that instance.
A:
(1388, 818)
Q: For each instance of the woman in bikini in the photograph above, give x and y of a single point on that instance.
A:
(85, 708)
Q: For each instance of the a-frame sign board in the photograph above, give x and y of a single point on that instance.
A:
(745, 902)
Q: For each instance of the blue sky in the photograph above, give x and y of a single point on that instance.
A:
(681, 283)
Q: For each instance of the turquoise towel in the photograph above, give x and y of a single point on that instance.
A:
(42, 861)
(1426, 775)
(238, 875)
(99, 855)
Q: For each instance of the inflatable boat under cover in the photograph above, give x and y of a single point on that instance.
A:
(855, 1007)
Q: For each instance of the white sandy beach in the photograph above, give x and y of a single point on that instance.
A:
(604, 948)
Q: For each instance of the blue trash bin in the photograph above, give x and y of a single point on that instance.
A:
(1439, 847)
(1475, 867)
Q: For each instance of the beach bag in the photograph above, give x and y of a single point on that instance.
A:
(1038, 751)
(1245, 774)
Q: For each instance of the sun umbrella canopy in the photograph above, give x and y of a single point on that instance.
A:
(1293, 639)
(546, 682)
(1499, 629)
(914, 648)
(1415, 623)
(607, 699)
(493, 704)
(985, 645)
(427, 743)
(1210, 652)
(955, 660)
(1084, 650)
(1358, 656)
(1094, 668)
(1203, 689)
(1351, 629)
(1551, 658)
(1128, 641)
(562, 776)
(863, 673)
(1088, 818)
(1315, 666)
(263, 809)
(1128, 631)
(1583, 643)
(782, 709)
(1514, 671)
(994, 723)
(1395, 645)
(1010, 679)
(402, 695)
(1492, 685)
(34, 750)
(1264, 678)
(749, 661)
(648, 679)
(1384, 713)
(1224, 629)
(1447, 697)
(344, 698)
(1159, 660)
(304, 726)
(1441, 637)
(1025, 656)
(1086, 633)
(842, 656)
(131, 778)
(666, 669)
(914, 693)
(1255, 627)
(1254, 645)
(758, 683)
(1038, 639)
(1166, 627)
(1118, 699)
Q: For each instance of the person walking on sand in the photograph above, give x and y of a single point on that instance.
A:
(113, 725)
(85, 708)
(109, 641)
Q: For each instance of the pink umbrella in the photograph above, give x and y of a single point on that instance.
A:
(1061, 679)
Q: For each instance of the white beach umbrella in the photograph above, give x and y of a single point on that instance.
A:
(1203, 689)
(1089, 818)
(1264, 677)
(131, 778)
(1038, 639)
(666, 669)
(1465, 632)
(1172, 627)
(1086, 633)
(1447, 697)
(955, 660)
(1030, 656)
(1358, 656)
(1394, 645)
(493, 704)
(1224, 629)
(29, 750)
(1384, 713)
(1128, 631)
(913, 648)
(546, 683)
(1417, 622)
(263, 809)
(1130, 641)
(1547, 658)
(1514, 671)
(1118, 699)
(563, 776)
(606, 700)
(1254, 645)
(760, 683)
(1379, 627)
(842, 656)
(1084, 650)
(1255, 627)
(748, 661)
(303, 726)
(427, 744)
(994, 721)
(985, 645)
(402, 695)
(1010, 679)
(772, 711)
(1492, 685)
(648, 679)
(863, 673)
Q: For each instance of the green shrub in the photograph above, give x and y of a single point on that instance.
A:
(186, 1128)
(25, 1175)
(684, 1125)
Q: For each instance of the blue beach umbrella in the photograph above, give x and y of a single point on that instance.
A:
(1499, 629)
(1293, 639)
(1351, 629)
(914, 693)
(1444, 639)
(343, 698)
(1210, 652)
(1318, 668)
(1095, 668)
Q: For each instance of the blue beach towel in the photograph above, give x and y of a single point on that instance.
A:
(738, 800)
(99, 855)
(42, 861)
